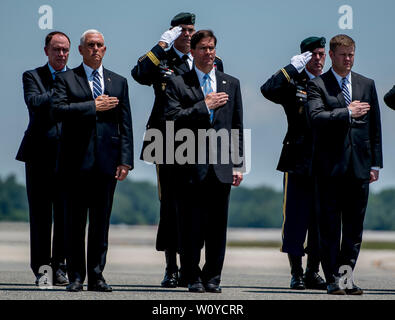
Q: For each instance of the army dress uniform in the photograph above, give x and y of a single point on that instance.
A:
(288, 88)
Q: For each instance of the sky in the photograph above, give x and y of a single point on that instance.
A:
(255, 39)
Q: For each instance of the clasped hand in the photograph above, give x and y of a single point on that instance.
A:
(216, 99)
(358, 108)
(104, 102)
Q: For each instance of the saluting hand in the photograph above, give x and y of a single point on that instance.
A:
(299, 61)
(168, 37)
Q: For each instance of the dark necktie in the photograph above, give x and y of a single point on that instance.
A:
(97, 89)
(346, 92)
(185, 59)
(55, 74)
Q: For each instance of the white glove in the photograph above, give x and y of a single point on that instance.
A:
(300, 61)
(170, 35)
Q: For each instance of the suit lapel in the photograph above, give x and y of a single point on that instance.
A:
(107, 81)
(192, 80)
(177, 62)
(355, 87)
(43, 77)
(337, 90)
(80, 75)
(222, 86)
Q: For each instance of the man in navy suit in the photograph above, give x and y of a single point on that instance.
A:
(96, 150)
(38, 150)
(345, 117)
(205, 99)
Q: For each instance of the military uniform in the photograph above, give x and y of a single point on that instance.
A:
(155, 68)
(288, 88)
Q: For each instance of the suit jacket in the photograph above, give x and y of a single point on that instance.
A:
(389, 98)
(338, 142)
(101, 140)
(156, 68)
(40, 142)
(288, 88)
(186, 107)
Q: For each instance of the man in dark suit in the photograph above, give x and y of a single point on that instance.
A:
(199, 100)
(38, 150)
(345, 117)
(288, 88)
(169, 58)
(389, 98)
(96, 150)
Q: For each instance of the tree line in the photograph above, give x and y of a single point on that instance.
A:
(136, 203)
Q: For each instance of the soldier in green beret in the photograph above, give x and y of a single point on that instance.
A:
(288, 88)
(169, 57)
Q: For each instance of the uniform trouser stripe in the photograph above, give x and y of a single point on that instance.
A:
(284, 204)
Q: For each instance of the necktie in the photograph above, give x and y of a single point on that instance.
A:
(206, 90)
(346, 92)
(97, 89)
(185, 59)
(55, 74)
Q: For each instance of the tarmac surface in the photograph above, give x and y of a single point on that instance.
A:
(134, 269)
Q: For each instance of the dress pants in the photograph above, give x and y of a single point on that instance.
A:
(299, 216)
(342, 205)
(203, 214)
(45, 206)
(167, 236)
(89, 192)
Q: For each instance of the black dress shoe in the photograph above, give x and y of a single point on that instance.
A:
(355, 290)
(297, 283)
(75, 286)
(170, 280)
(60, 278)
(212, 287)
(313, 280)
(99, 285)
(333, 288)
(196, 287)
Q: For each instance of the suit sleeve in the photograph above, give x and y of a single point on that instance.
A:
(146, 71)
(62, 106)
(176, 111)
(239, 160)
(375, 129)
(278, 88)
(389, 98)
(35, 100)
(318, 114)
(126, 129)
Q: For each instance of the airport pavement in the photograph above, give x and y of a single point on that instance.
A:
(134, 270)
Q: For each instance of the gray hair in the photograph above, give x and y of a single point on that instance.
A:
(83, 36)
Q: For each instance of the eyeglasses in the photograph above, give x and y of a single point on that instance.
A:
(209, 48)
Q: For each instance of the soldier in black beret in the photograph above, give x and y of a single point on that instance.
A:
(169, 57)
(288, 88)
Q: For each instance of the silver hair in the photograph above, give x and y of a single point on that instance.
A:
(83, 36)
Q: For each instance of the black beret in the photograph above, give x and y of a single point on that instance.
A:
(312, 43)
(183, 18)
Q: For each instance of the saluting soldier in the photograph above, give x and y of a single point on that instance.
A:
(170, 57)
(288, 88)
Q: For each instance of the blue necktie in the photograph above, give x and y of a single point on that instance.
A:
(346, 92)
(97, 89)
(206, 90)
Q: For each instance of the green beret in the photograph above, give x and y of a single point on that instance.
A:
(183, 18)
(312, 43)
